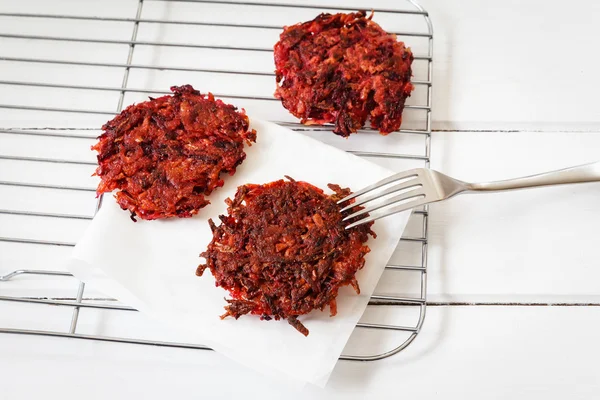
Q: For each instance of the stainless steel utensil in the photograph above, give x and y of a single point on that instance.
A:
(423, 186)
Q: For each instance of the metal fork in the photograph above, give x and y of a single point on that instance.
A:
(422, 186)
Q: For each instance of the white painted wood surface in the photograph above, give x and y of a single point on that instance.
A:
(499, 65)
(468, 352)
(516, 64)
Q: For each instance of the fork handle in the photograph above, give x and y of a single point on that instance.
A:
(580, 174)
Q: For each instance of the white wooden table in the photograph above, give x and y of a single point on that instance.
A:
(514, 281)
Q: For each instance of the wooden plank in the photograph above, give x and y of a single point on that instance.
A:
(520, 246)
(463, 352)
(527, 246)
(504, 65)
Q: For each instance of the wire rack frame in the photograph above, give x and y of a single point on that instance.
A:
(128, 66)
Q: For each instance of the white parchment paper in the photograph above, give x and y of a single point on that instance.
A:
(151, 264)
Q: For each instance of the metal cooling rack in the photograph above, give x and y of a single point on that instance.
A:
(79, 303)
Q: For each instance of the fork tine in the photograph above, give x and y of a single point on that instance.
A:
(403, 197)
(394, 210)
(402, 175)
(410, 183)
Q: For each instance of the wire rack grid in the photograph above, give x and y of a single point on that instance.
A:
(27, 118)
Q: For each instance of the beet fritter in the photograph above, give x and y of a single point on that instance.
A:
(282, 251)
(343, 69)
(165, 155)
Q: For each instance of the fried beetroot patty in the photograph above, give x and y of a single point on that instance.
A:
(343, 69)
(282, 251)
(165, 155)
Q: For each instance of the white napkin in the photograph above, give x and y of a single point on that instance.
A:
(151, 264)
